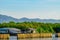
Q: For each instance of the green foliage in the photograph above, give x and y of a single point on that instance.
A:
(40, 27)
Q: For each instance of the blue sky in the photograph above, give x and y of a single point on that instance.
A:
(43, 9)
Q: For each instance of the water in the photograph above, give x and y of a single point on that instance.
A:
(33, 39)
(41, 39)
(15, 38)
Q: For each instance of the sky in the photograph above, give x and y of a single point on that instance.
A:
(43, 9)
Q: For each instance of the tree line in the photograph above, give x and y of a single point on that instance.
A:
(39, 27)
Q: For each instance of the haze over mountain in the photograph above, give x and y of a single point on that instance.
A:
(4, 18)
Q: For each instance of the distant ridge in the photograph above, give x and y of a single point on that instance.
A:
(4, 18)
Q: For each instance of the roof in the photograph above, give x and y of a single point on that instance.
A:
(10, 29)
(31, 29)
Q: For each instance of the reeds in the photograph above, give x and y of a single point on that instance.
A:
(4, 36)
(41, 35)
(58, 34)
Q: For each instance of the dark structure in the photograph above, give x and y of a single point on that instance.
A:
(29, 30)
(57, 30)
(11, 31)
(15, 31)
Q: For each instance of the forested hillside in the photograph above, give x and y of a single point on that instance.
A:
(40, 27)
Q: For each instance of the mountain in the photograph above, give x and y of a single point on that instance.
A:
(4, 18)
(40, 20)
